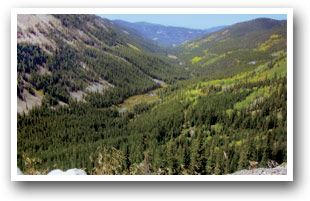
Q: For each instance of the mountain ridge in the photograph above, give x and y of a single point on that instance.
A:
(237, 47)
(78, 54)
(166, 35)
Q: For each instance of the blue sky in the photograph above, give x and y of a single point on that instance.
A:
(198, 21)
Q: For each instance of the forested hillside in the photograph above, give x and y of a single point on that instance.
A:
(235, 49)
(113, 104)
(71, 56)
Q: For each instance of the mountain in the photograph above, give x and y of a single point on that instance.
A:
(66, 57)
(165, 35)
(237, 48)
(95, 96)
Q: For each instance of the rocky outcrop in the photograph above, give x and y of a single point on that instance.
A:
(279, 170)
(60, 172)
(68, 172)
(19, 172)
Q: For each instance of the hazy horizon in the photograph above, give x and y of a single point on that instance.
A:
(193, 21)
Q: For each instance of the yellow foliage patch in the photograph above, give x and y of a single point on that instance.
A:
(274, 36)
(195, 59)
(193, 45)
(40, 92)
(274, 39)
(133, 47)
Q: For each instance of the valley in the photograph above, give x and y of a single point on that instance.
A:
(168, 36)
(100, 96)
(148, 98)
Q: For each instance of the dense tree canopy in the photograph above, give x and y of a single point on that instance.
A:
(226, 106)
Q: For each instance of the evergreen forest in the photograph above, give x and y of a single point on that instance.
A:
(217, 104)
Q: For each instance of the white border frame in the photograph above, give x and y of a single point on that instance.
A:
(287, 11)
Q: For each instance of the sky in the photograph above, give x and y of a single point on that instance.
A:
(196, 21)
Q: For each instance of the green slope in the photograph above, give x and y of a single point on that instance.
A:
(233, 112)
(238, 48)
(85, 50)
(198, 127)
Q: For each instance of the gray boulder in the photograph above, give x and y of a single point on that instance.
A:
(68, 172)
(19, 172)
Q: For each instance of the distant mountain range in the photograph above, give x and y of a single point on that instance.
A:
(165, 35)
